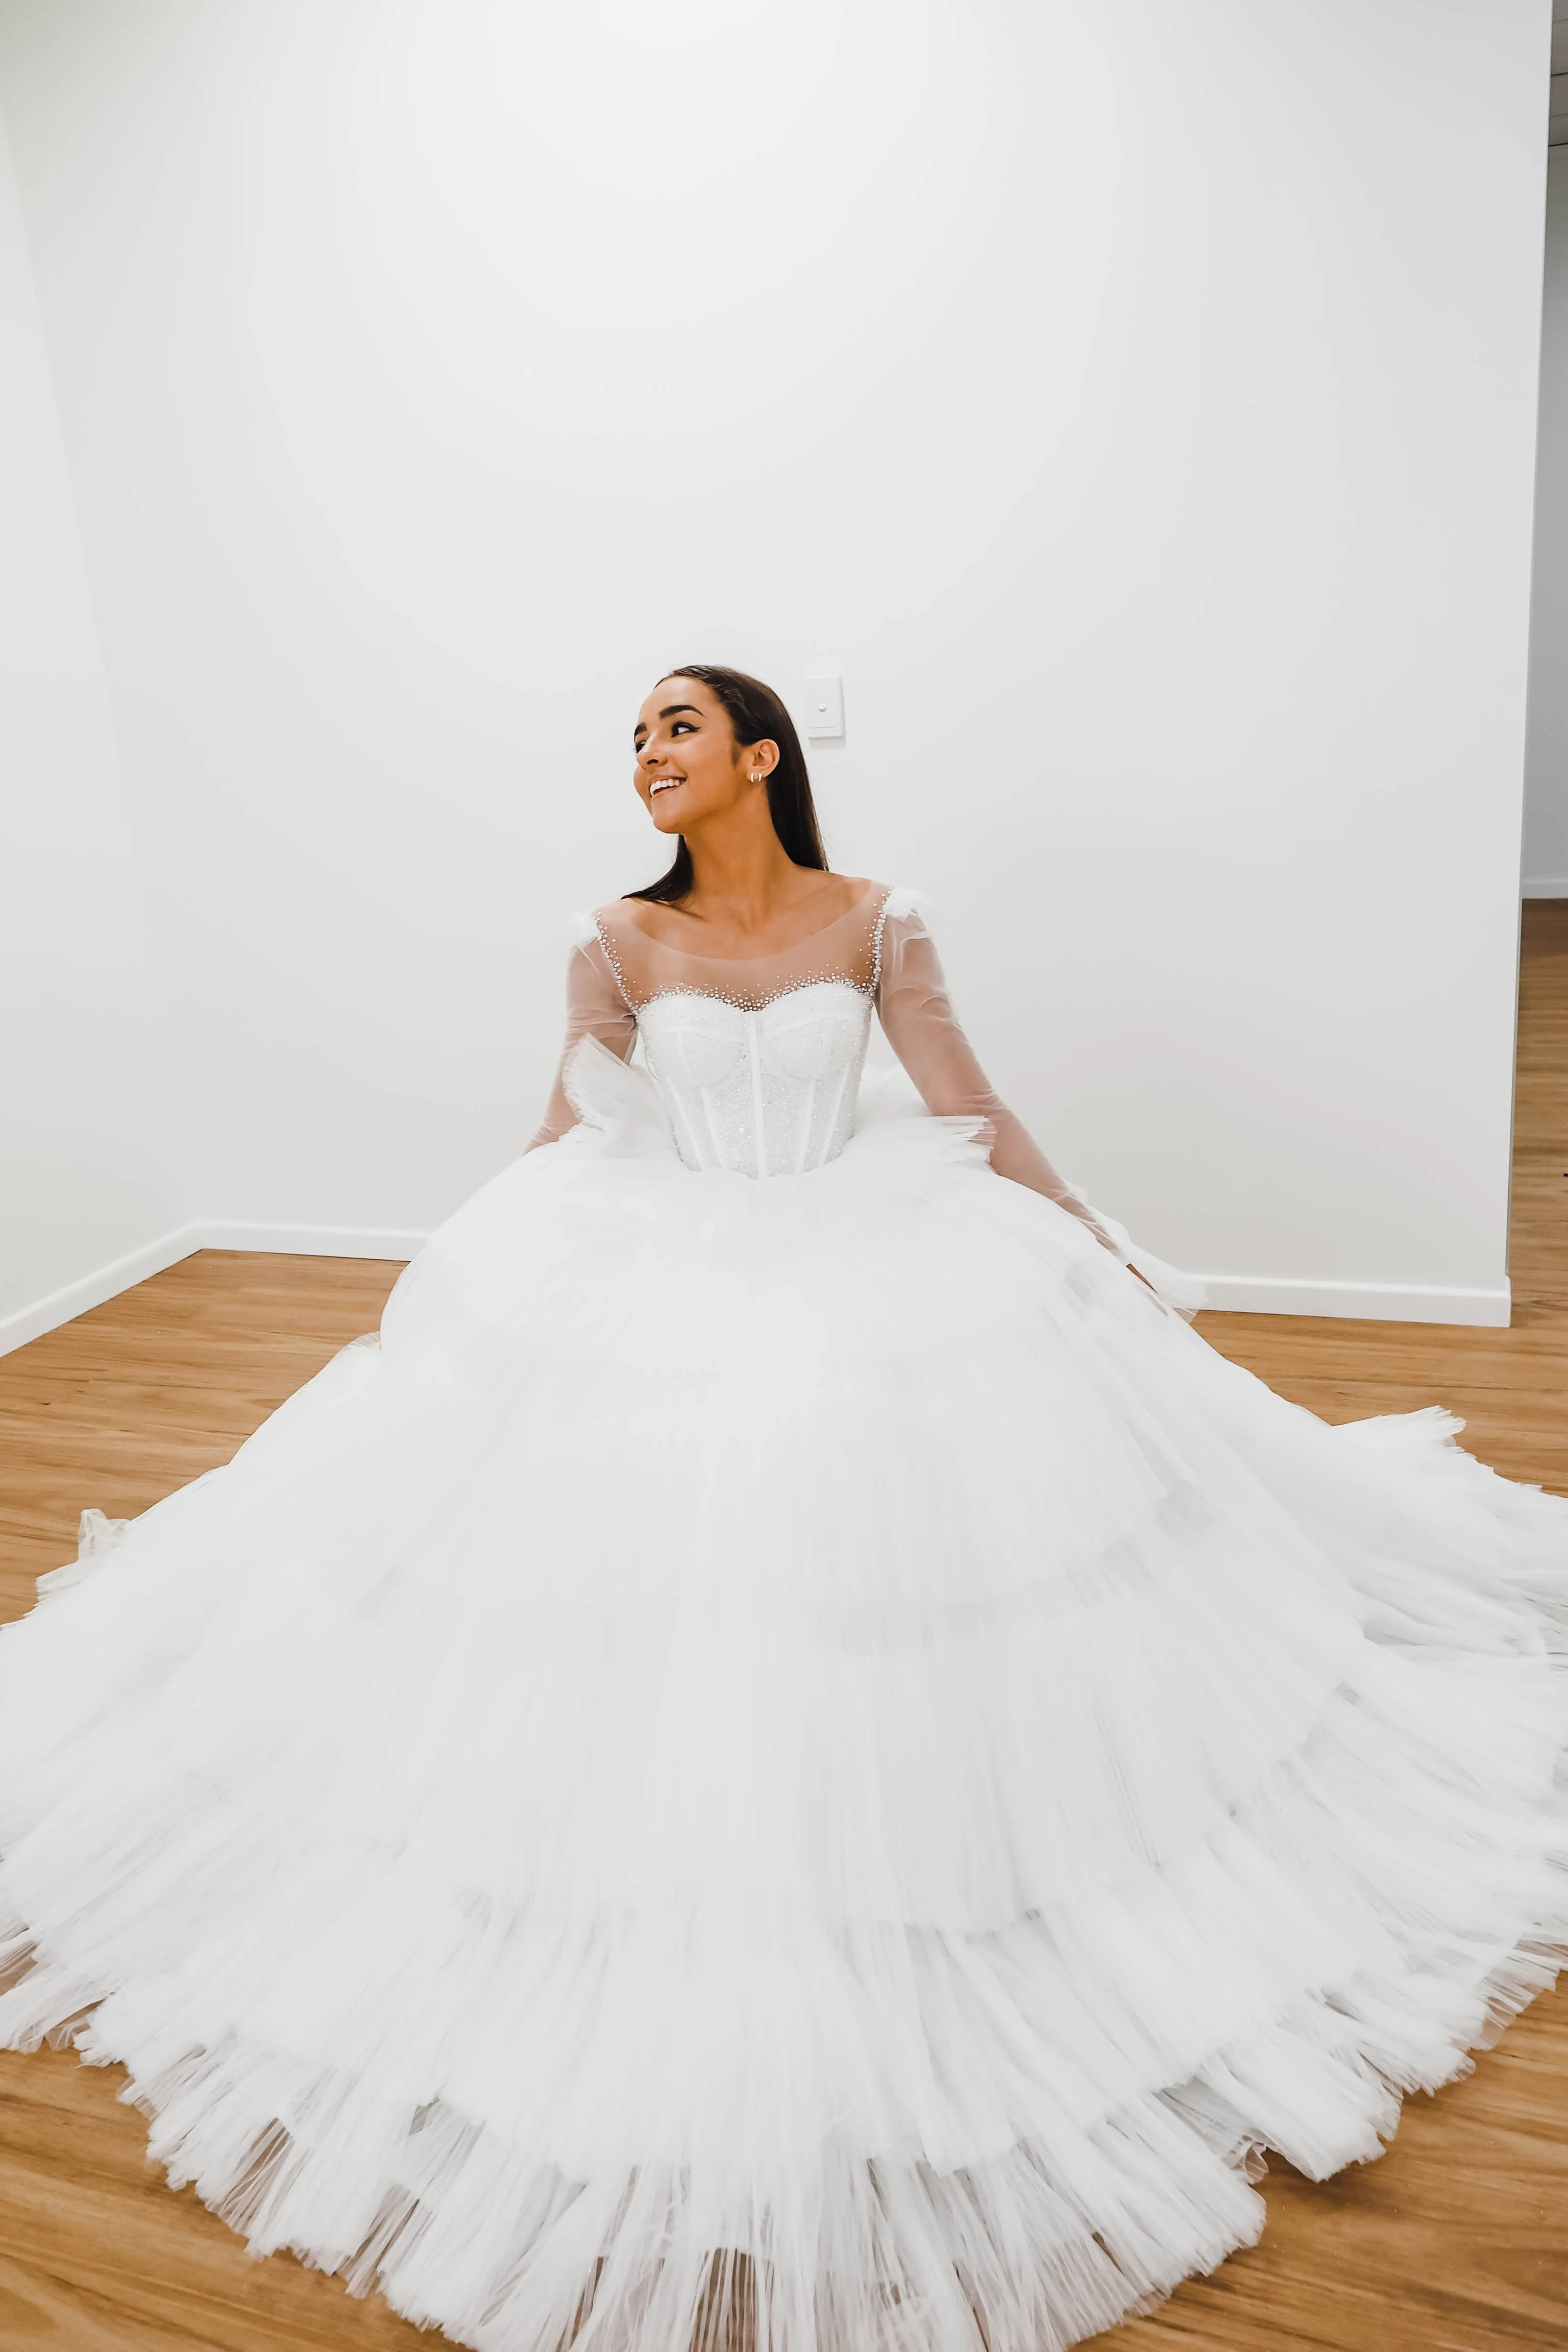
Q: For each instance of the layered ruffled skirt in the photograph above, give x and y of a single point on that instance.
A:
(796, 1764)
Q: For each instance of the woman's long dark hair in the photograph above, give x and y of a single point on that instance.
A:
(757, 715)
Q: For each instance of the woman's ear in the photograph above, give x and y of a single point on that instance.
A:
(761, 759)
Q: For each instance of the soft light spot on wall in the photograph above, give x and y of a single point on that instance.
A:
(653, 99)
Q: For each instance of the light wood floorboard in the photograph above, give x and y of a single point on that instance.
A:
(1456, 2242)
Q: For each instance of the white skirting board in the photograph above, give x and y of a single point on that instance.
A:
(1551, 885)
(1376, 1302)
(1231, 1294)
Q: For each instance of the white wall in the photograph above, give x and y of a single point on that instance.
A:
(1138, 401)
(1546, 763)
(81, 1159)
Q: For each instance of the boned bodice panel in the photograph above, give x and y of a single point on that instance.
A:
(762, 1091)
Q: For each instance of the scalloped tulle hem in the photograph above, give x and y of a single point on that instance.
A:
(1032, 2249)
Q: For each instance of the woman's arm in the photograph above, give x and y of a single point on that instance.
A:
(923, 1030)
(595, 1008)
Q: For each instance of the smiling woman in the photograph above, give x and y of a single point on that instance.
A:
(787, 1759)
(707, 738)
(749, 912)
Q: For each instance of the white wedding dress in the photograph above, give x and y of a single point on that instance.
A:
(788, 1760)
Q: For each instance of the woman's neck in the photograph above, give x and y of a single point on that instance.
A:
(744, 877)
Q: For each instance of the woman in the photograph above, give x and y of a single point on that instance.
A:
(789, 1759)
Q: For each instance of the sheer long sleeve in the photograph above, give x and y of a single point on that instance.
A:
(923, 1030)
(595, 1008)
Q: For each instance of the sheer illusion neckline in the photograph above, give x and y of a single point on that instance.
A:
(769, 955)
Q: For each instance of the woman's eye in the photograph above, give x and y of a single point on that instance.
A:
(681, 727)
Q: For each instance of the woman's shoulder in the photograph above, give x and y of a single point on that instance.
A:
(900, 903)
(618, 916)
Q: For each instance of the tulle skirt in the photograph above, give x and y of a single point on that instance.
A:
(796, 1764)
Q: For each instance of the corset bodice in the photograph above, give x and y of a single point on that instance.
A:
(767, 1090)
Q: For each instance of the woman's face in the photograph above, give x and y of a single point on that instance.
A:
(689, 765)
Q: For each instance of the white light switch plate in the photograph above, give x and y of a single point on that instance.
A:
(824, 699)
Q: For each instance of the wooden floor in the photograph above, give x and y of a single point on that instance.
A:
(1456, 2242)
